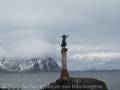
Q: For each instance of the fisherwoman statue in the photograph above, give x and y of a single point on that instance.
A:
(63, 44)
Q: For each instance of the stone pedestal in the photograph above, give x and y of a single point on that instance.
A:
(76, 84)
(64, 72)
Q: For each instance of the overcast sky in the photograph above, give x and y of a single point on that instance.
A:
(34, 27)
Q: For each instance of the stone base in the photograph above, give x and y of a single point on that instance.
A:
(64, 74)
(77, 84)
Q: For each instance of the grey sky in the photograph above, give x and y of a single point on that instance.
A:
(34, 27)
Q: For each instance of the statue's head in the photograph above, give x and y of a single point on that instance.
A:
(64, 36)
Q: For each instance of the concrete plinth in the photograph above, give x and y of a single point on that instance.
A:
(64, 72)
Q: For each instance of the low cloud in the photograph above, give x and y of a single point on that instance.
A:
(95, 61)
(26, 44)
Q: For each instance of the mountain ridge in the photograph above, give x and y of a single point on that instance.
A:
(43, 64)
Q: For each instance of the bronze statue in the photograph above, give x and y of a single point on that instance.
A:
(63, 45)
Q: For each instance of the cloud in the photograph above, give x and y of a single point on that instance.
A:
(94, 61)
(28, 48)
(33, 28)
(25, 44)
(102, 55)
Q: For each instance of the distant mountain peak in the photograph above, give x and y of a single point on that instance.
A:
(43, 64)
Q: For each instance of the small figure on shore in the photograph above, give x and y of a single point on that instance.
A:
(63, 45)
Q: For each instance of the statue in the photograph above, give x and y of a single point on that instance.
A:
(63, 45)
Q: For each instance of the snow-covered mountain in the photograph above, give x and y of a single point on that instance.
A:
(44, 64)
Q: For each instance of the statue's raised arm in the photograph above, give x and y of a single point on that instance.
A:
(63, 44)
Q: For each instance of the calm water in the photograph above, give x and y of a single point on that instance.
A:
(34, 81)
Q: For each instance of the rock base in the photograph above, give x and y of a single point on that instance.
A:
(77, 84)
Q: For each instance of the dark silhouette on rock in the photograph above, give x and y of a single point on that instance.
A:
(76, 84)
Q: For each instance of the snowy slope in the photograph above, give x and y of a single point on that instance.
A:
(46, 64)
